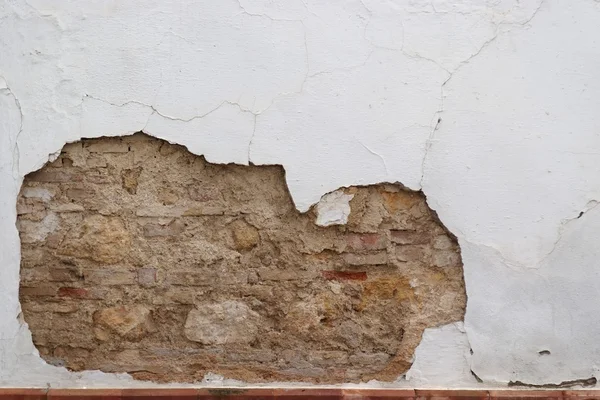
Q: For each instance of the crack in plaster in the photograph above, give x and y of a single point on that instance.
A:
(387, 172)
(16, 150)
(486, 44)
(592, 204)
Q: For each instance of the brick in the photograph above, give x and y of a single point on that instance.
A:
(65, 274)
(327, 358)
(409, 237)
(368, 358)
(379, 258)
(203, 193)
(67, 207)
(206, 210)
(443, 242)
(54, 176)
(96, 161)
(107, 146)
(79, 194)
(38, 291)
(39, 193)
(29, 208)
(98, 176)
(344, 275)
(446, 258)
(52, 307)
(109, 277)
(174, 228)
(206, 277)
(146, 277)
(270, 274)
(411, 253)
(160, 211)
(366, 241)
(73, 292)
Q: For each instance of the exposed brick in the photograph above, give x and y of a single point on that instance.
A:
(54, 176)
(366, 241)
(109, 277)
(345, 275)
(65, 274)
(37, 291)
(174, 228)
(409, 237)
(147, 276)
(203, 210)
(73, 292)
(96, 161)
(67, 207)
(160, 211)
(29, 208)
(446, 258)
(378, 258)
(443, 242)
(407, 253)
(107, 146)
(269, 274)
(79, 194)
(227, 243)
(99, 176)
(203, 193)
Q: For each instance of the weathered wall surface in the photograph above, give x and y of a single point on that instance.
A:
(489, 107)
(140, 257)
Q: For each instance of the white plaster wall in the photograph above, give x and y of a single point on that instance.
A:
(490, 106)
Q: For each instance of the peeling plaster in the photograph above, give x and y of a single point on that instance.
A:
(334, 208)
(489, 107)
(442, 358)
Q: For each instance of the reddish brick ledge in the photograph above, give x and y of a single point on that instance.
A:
(291, 394)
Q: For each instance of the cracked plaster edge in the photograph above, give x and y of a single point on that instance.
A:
(28, 358)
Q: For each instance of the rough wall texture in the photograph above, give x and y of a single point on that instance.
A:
(140, 257)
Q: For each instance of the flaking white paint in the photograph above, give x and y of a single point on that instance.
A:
(488, 106)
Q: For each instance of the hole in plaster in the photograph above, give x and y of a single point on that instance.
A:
(140, 257)
(566, 384)
(544, 352)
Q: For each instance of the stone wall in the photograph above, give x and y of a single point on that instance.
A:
(140, 257)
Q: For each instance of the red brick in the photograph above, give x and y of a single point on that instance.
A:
(451, 394)
(525, 394)
(344, 275)
(23, 394)
(379, 394)
(84, 394)
(75, 293)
